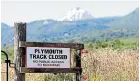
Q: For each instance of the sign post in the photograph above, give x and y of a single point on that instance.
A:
(19, 52)
(78, 64)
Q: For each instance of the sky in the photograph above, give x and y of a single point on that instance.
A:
(27, 11)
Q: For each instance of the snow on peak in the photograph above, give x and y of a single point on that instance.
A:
(76, 14)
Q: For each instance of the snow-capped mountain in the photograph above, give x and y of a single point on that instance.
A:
(80, 31)
(76, 14)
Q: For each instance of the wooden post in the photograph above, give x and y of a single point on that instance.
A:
(78, 64)
(19, 52)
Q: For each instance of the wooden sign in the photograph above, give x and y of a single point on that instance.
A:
(43, 55)
(47, 57)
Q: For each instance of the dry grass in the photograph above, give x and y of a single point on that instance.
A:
(98, 65)
(111, 65)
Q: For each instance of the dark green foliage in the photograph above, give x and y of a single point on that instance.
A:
(10, 51)
(113, 44)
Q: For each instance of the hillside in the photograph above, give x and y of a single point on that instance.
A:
(80, 30)
(6, 34)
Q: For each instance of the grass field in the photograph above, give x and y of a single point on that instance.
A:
(98, 65)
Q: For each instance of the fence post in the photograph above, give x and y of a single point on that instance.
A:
(19, 52)
(78, 64)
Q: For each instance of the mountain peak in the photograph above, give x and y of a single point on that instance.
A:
(137, 10)
(77, 8)
(76, 14)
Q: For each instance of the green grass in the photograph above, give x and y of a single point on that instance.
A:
(129, 40)
(121, 43)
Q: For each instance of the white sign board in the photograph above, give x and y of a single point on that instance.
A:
(47, 57)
